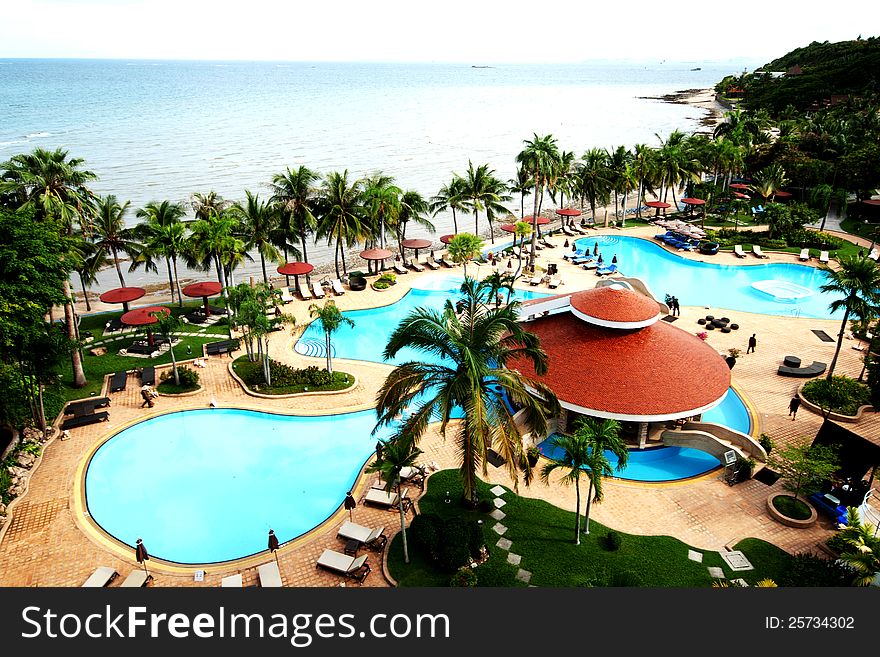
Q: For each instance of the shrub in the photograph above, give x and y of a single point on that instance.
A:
(454, 548)
(389, 277)
(810, 570)
(464, 577)
(837, 543)
(381, 285)
(356, 274)
(613, 541)
(485, 506)
(425, 531)
(188, 378)
(842, 394)
(766, 442)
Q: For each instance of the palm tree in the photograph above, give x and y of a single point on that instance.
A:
(768, 181)
(56, 188)
(494, 283)
(162, 234)
(575, 456)
(521, 230)
(396, 455)
(450, 197)
(540, 156)
(259, 227)
(205, 205)
(468, 370)
(521, 185)
(331, 319)
(167, 325)
(294, 191)
(857, 285)
(481, 190)
(381, 200)
(602, 436)
(862, 552)
(212, 242)
(413, 208)
(88, 261)
(464, 247)
(593, 178)
(340, 213)
(108, 231)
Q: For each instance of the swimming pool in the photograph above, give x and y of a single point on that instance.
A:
(206, 485)
(698, 283)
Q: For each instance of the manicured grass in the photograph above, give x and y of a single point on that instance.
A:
(169, 388)
(544, 536)
(768, 560)
(791, 507)
(95, 323)
(253, 372)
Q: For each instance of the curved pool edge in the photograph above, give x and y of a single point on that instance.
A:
(103, 539)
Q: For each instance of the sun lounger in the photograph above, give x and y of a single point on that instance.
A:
(83, 420)
(414, 265)
(102, 576)
(606, 271)
(148, 376)
(447, 263)
(431, 264)
(270, 576)
(549, 245)
(221, 347)
(738, 251)
(337, 288)
(86, 406)
(400, 269)
(118, 381)
(286, 296)
(874, 254)
(823, 257)
(304, 292)
(232, 581)
(537, 278)
(136, 579)
(590, 264)
(574, 254)
(758, 252)
(355, 567)
(382, 497)
(317, 290)
(554, 282)
(374, 539)
(805, 254)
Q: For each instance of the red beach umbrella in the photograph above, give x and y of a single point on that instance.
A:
(742, 186)
(122, 295)
(416, 245)
(379, 255)
(542, 221)
(204, 290)
(295, 269)
(144, 317)
(693, 201)
(446, 238)
(739, 195)
(782, 194)
(657, 205)
(568, 212)
(508, 228)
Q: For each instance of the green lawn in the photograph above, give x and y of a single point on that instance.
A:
(252, 374)
(544, 536)
(95, 323)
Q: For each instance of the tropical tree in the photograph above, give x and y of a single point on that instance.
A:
(162, 234)
(467, 370)
(541, 157)
(260, 230)
(768, 181)
(340, 214)
(450, 197)
(575, 456)
(803, 467)
(413, 208)
(167, 325)
(493, 284)
(108, 231)
(396, 455)
(593, 178)
(249, 307)
(331, 319)
(381, 201)
(88, 260)
(601, 436)
(856, 287)
(481, 190)
(862, 552)
(213, 242)
(56, 188)
(521, 185)
(521, 230)
(204, 205)
(295, 192)
(464, 247)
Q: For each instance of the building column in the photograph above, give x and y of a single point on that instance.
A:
(643, 434)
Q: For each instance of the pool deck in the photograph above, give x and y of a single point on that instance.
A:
(47, 542)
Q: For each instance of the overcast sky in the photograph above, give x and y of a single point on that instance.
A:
(470, 31)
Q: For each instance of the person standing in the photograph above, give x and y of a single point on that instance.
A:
(752, 344)
(147, 395)
(676, 308)
(793, 407)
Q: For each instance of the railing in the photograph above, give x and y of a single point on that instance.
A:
(868, 514)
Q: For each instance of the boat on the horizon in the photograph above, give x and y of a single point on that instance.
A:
(697, 69)
(476, 66)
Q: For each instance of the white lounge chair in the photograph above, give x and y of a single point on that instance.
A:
(447, 263)
(758, 252)
(568, 231)
(546, 243)
(400, 269)
(136, 579)
(431, 264)
(270, 576)
(304, 292)
(354, 567)
(874, 254)
(232, 581)
(102, 576)
(317, 290)
(805, 254)
(414, 265)
(286, 296)
(382, 497)
(336, 285)
(372, 538)
(738, 251)
(554, 282)
(824, 257)
(537, 278)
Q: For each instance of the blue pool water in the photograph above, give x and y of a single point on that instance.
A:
(708, 284)
(206, 485)
(674, 463)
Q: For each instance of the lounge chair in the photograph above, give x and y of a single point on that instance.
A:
(824, 258)
(317, 290)
(136, 579)
(738, 251)
(574, 254)
(382, 497)
(758, 252)
(554, 282)
(83, 420)
(232, 581)
(221, 347)
(400, 269)
(430, 263)
(549, 245)
(374, 539)
(606, 271)
(148, 376)
(447, 263)
(805, 254)
(118, 381)
(874, 254)
(270, 576)
(590, 264)
(86, 406)
(286, 296)
(102, 576)
(354, 567)
(304, 292)
(537, 278)
(414, 265)
(336, 286)
(515, 251)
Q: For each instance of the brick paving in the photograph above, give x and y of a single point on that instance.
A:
(44, 544)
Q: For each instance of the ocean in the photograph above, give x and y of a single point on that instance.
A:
(155, 130)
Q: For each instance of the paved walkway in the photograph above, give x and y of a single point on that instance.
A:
(48, 543)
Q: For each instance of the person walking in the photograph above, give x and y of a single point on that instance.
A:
(147, 395)
(752, 344)
(793, 407)
(676, 308)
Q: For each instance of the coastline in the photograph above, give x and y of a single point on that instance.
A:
(703, 99)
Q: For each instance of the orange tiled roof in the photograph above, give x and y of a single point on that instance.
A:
(615, 304)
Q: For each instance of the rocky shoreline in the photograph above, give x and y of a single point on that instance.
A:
(701, 98)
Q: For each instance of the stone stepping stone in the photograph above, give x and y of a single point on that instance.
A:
(514, 559)
(498, 514)
(499, 529)
(499, 502)
(741, 582)
(497, 490)
(736, 560)
(523, 575)
(693, 555)
(716, 572)
(504, 543)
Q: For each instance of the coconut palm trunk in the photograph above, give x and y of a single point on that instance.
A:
(577, 512)
(79, 375)
(839, 344)
(170, 278)
(589, 504)
(177, 283)
(85, 293)
(118, 268)
(402, 523)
